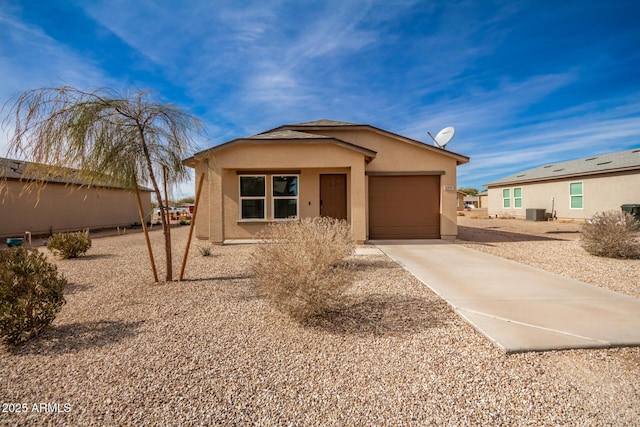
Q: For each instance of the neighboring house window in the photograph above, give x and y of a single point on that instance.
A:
(517, 197)
(575, 190)
(252, 197)
(506, 198)
(285, 196)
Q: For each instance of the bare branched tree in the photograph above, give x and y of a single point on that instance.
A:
(127, 140)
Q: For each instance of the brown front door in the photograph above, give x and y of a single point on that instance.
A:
(333, 196)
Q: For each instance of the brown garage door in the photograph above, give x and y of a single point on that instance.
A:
(404, 207)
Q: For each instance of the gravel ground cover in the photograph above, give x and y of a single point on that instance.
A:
(553, 246)
(211, 351)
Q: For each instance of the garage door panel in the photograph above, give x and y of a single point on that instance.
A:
(404, 207)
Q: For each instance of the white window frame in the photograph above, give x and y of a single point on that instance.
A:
(581, 195)
(274, 198)
(506, 201)
(263, 198)
(516, 198)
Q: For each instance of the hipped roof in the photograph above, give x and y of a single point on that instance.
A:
(599, 164)
(303, 133)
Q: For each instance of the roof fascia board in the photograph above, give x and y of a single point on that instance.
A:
(404, 173)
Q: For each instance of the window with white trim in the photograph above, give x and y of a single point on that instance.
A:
(506, 198)
(575, 193)
(252, 196)
(285, 196)
(517, 197)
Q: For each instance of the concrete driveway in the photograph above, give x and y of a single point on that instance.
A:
(518, 307)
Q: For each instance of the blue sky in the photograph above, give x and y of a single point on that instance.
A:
(523, 82)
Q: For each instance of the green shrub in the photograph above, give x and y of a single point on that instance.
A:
(611, 234)
(300, 267)
(69, 245)
(31, 294)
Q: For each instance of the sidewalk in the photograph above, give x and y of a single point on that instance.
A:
(518, 307)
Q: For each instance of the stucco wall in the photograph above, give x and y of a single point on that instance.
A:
(219, 218)
(60, 209)
(222, 188)
(397, 156)
(600, 193)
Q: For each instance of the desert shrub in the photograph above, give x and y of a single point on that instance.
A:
(611, 234)
(69, 245)
(205, 250)
(31, 294)
(300, 267)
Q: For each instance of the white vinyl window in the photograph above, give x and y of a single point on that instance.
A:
(285, 196)
(517, 198)
(252, 196)
(506, 198)
(575, 192)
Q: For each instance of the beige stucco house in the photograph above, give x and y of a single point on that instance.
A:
(385, 185)
(62, 204)
(575, 189)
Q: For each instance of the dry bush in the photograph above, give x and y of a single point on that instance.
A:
(611, 234)
(300, 267)
(31, 294)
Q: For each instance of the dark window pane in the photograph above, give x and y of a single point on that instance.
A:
(285, 208)
(252, 186)
(285, 186)
(253, 209)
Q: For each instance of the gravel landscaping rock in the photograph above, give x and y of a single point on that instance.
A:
(211, 351)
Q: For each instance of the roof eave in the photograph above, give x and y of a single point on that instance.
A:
(567, 176)
(195, 159)
(460, 159)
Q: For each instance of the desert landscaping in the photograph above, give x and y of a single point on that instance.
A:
(211, 351)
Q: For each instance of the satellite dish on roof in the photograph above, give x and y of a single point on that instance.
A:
(443, 137)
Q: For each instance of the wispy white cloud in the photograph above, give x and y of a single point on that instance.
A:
(410, 67)
(29, 58)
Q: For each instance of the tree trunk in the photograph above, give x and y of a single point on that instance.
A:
(167, 234)
(143, 221)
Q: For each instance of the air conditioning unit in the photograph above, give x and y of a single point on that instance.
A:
(536, 214)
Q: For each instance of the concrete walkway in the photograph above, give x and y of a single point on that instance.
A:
(518, 307)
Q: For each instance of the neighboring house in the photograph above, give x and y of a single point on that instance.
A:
(483, 198)
(385, 185)
(472, 201)
(61, 205)
(575, 189)
(460, 200)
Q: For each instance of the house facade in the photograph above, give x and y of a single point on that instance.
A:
(385, 185)
(61, 206)
(575, 189)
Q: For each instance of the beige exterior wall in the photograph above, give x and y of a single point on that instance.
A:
(397, 156)
(221, 196)
(219, 215)
(62, 208)
(600, 193)
(484, 201)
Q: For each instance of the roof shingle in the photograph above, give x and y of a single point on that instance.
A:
(602, 163)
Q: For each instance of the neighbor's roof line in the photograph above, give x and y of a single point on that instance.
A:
(619, 161)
